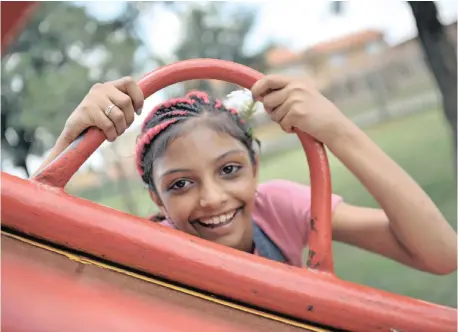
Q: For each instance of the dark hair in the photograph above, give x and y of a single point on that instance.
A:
(167, 121)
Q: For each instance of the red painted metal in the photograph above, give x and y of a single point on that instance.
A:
(14, 16)
(37, 299)
(320, 243)
(50, 213)
(42, 209)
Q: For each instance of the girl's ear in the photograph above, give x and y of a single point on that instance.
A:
(256, 166)
(158, 202)
(155, 198)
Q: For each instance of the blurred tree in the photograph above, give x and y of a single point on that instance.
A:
(440, 56)
(46, 72)
(219, 30)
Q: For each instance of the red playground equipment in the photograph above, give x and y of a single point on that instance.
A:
(69, 264)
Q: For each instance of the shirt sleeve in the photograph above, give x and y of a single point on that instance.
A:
(289, 204)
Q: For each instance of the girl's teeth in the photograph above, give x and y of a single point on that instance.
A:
(219, 219)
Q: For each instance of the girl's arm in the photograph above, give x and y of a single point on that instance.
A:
(109, 106)
(410, 228)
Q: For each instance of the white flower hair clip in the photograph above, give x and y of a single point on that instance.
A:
(243, 102)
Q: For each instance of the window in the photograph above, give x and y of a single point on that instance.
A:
(337, 59)
(373, 47)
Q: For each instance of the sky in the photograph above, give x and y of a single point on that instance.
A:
(296, 24)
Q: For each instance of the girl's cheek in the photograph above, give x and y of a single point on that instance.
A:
(180, 210)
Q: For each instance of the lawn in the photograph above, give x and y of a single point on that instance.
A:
(420, 144)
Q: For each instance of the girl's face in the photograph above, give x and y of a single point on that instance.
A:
(206, 185)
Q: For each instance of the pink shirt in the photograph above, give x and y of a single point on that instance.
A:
(282, 211)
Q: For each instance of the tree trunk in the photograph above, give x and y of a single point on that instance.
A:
(440, 56)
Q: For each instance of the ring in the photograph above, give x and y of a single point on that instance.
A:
(109, 109)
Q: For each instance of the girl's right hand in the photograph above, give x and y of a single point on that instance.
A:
(109, 106)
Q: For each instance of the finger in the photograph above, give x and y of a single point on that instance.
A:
(274, 99)
(287, 123)
(132, 89)
(123, 102)
(115, 115)
(107, 126)
(269, 82)
(278, 114)
(281, 111)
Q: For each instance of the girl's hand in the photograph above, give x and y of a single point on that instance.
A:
(295, 103)
(109, 106)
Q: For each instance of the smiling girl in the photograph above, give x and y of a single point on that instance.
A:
(198, 159)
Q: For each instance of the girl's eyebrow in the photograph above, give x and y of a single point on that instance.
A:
(174, 170)
(178, 170)
(235, 151)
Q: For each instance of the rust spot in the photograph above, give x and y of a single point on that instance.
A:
(310, 258)
(317, 265)
(79, 269)
(309, 263)
(313, 224)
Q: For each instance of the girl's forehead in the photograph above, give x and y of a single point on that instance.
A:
(202, 144)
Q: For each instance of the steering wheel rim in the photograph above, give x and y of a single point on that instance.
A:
(58, 173)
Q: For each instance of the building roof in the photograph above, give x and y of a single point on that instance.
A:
(345, 42)
(282, 56)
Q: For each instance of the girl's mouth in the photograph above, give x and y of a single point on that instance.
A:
(218, 221)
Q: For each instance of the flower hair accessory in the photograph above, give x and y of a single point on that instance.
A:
(243, 102)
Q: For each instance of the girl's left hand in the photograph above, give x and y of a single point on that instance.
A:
(294, 103)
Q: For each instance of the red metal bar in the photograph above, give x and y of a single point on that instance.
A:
(320, 254)
(50, 213)
(38, 299)
(14, 16)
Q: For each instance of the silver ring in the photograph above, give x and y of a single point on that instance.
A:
(109, 109)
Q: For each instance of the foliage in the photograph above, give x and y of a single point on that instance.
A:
(219, 30)
(59, 55)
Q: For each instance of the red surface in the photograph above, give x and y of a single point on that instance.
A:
(50, 213)
(14, 16)
(46, 301)
(39, 300)
(320, 248)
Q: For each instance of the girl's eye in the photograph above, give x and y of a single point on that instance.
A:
(230, 169)
(180, 184)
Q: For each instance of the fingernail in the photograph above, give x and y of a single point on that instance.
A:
(139, 111)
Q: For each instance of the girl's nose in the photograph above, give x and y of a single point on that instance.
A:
(212, 196)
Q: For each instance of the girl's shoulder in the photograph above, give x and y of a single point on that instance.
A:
(282, 210)
(287, 197)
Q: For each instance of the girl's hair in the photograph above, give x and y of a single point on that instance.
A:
(167, 121)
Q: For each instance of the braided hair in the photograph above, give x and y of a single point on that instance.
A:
(165, 122)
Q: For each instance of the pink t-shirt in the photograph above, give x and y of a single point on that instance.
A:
(282, 211)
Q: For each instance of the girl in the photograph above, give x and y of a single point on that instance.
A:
(197, 158)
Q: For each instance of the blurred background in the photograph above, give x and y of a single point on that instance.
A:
(389, 65)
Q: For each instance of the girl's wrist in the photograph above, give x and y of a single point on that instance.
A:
(345, 134)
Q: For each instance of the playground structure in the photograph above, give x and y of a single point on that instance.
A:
(98, 269)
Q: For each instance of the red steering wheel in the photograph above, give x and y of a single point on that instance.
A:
(59, 172)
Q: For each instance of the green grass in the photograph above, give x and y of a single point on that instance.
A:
(420, 144)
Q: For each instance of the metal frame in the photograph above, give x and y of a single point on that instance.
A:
(47, 212)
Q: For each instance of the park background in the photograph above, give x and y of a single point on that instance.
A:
(366, 56)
